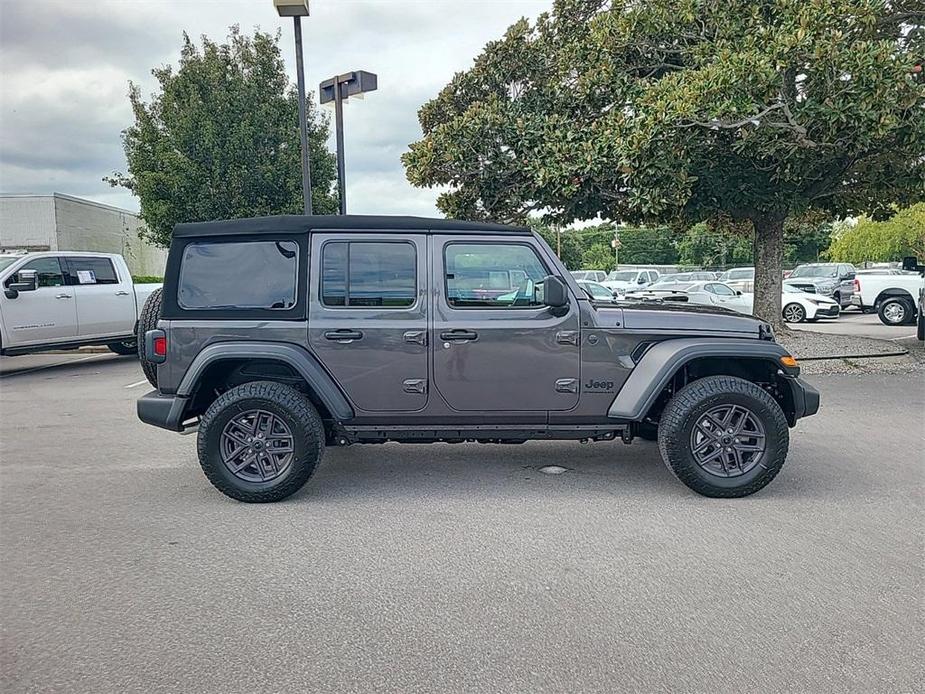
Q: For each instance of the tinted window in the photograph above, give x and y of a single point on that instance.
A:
(368, 274)
(249, 274)
(48, 271)
(720, 290)
(91, 271)
(493, 275)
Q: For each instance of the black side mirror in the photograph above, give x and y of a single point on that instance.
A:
(26, 281)
(738, 292)
(555, 293)
(911, 264)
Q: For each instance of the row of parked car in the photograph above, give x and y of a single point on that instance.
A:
(811, 291)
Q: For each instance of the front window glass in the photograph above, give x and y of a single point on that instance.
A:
(493, 275)
(721, 290)
(48, 271)
(244, 275)
(814, 271)
(368, 274)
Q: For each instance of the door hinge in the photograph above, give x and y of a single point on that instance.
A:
(567, 337)
(567, 385)
(414, 385)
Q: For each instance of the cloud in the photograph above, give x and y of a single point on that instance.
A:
(66, 66)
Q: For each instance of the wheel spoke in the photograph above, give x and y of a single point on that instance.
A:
(257, 446)
(728, 440)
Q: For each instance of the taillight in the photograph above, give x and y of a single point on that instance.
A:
(156, 346)
(857, 286)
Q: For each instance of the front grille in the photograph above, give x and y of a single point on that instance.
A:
(804, 287)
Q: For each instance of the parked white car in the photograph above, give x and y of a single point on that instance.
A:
(741, 279)
(589, 275)
(68, 299)
(622, 281)
(892, 297)
(796, 306)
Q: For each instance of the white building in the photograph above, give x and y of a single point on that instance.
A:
(59, 222)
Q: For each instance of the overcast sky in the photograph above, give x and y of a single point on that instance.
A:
(66, 67)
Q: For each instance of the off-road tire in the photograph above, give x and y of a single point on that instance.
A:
(798, 313)
(908, 310)
(690, 403)
(282, 400)
(150, 315)
(124, 348)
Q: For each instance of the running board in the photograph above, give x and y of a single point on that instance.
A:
(515, 433)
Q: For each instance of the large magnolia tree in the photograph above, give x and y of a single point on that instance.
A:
(220, 139)
(682, 111)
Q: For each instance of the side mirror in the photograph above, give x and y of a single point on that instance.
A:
(738, 292)
(26, 281)
(555, 293)
(911, 264)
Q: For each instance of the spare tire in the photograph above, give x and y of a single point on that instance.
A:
(150, 315)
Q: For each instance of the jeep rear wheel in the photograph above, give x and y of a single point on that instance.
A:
(260, 441)
(723, 436)
(150, 315)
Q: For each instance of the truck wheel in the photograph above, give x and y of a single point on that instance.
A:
(150, 315)
(794, 313)
(895, 311)
(124, 348)
(723, 436)
(260, 441)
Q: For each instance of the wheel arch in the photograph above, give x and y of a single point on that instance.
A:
(227, 364)
(671, 364)
(894, 293)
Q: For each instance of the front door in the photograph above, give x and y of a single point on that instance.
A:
(495, 345)
(105, 305)
(368, 317)
(48, 314)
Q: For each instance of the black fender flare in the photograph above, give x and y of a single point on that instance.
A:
(298, 358)
(662, 361)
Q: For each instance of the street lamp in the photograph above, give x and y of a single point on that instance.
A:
(298, 9)
(338, 89)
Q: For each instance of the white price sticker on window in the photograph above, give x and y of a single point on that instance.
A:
(86, 276)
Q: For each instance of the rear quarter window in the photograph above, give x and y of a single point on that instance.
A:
(239, 275)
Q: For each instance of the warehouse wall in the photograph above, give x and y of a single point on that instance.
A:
(65, 223)
(28, 223)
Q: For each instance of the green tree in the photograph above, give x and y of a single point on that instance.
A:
(890, 240)
(686, 111)
(220, 139)
(720, 246)
(566, 244)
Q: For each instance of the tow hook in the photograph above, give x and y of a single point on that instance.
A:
(627, 435)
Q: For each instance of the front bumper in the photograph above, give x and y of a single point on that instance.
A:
(164, 411)
(828, 310)
(804, 397)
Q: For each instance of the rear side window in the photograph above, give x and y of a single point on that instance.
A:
(91, 271)
(363, 274)
(243, 275)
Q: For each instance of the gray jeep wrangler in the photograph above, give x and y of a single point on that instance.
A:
(279, 336)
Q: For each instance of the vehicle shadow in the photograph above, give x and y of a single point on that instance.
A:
(51, 363)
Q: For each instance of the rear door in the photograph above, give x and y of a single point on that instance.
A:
(368, 317)
(105, 301)
(495, 345)
(48, 314)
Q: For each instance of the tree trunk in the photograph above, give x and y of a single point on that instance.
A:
(769, 259)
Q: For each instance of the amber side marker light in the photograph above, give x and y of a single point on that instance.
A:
(789, 361)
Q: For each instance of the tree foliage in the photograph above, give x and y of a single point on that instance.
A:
(683, 112)
(220, 139)
(886, 241)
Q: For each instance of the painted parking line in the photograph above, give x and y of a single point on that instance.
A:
(53, 365)
(135, 385)
(904, 337)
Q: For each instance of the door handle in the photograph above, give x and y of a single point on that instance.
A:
(62, 296)
(343, 335)
(121, 292)
(459, 335)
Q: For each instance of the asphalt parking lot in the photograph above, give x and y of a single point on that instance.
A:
(853, 322)
(452, 568)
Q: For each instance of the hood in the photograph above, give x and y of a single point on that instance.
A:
(684, 318)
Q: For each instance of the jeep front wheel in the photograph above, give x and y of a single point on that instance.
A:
(260, 441)
(723, 436)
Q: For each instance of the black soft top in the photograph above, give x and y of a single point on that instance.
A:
(294, 224)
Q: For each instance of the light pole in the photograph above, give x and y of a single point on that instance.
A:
(338, 89)
(298, 9)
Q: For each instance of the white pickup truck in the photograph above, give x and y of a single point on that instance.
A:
(68, 299)
(893, 297)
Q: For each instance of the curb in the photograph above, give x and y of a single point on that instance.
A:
(856, 356)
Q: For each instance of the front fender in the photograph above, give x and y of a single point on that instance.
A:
(663, 360)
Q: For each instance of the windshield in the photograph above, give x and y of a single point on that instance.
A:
(668, 279)
(7, 261)
(744, 274)
(815, 271)
(626, 276)
(597, 291)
